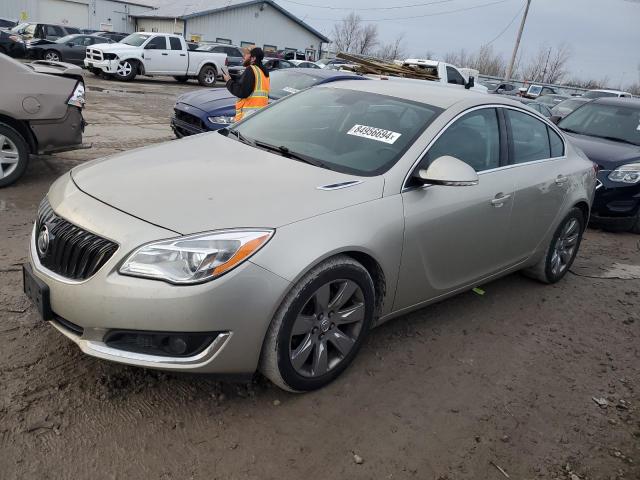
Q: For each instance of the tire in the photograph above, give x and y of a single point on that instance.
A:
(636, 226)
(52, 56)
(319, 339)
(182, 79)
(567, 237)
(127, 70)
(14, 155)
(207, 76)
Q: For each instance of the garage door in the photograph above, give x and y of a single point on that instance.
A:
(64, 13)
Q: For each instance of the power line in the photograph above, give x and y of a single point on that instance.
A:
(508, 25)
(367, 8)
(419, 16)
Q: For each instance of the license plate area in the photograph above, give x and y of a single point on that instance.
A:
(37, 291)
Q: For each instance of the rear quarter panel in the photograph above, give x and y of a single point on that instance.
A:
(197, 60)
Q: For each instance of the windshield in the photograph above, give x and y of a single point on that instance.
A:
(68, 38)
(608, 121)
(135, 39)
(283, 83)
(594, 94)
(345, 130)
(568, 105)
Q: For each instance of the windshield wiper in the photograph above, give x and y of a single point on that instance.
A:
(285, 152)
(242, 138)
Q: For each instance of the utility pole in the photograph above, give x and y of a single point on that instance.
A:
(515, 48)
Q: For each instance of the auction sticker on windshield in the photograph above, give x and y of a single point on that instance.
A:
(373, 133)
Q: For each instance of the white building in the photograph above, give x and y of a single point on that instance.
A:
(262, 23)
(112, 15)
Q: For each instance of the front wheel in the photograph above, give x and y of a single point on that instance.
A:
(14, 155)
(320, 326)
(126, 70)
(207, 76)
(562, 250)
(52, 56)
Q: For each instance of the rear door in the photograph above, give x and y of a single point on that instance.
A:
(79, 49)
(456, 236)
(541, 173)
(178, 57)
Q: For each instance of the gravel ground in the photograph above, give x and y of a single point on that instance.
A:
(526, 381)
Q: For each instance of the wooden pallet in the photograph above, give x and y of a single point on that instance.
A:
(369, 65)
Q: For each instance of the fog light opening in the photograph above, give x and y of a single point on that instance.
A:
(166, 344)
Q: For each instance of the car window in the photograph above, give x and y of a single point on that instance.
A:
(529, 137)
(508, 87)
(53, 31)
(157, 43)
(175, 43)
(344, 130)
(72, 30)
(556, 143)
(614, 122)
(87, 41)
(454, 76)
(474, 139)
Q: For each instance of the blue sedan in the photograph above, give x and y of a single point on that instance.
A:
(212, 109)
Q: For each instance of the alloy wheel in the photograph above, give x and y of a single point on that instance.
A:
(210, 75)
(565, 247)
(327, 328)
(9, 156)
(52, 57)
(124, 69)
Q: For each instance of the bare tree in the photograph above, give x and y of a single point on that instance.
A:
(487, 62)
(548, 64)
(393, 50)
(346, 33)
(367, 39)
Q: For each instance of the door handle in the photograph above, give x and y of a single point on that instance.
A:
(561, 179)
(499, 200)
(165, 54)
(183, 54)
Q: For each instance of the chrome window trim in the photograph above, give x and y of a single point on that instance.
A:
(491, 170)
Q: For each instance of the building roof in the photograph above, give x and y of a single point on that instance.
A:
(180, 9)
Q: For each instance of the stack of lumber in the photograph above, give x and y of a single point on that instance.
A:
(369, 65)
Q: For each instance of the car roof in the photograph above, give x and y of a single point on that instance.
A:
(423, 91)
(322, 73)
(633, 102)
(605, 90)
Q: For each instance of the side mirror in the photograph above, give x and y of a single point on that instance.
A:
(555, 119)
(447, 170)
(471, 83)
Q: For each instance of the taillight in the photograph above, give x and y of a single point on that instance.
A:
(77, 97)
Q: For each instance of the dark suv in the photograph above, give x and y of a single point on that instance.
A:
(34, 33)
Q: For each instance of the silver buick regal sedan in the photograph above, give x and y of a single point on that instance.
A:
(277, 244)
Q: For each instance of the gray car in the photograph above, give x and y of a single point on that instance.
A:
(278, 243)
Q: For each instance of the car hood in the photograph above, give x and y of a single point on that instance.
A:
(608, 154)
(115, 47)
(209, 100)
(210, 182)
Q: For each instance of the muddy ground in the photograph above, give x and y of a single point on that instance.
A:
(476, 387)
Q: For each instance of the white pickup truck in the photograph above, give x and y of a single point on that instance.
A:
(448, 74)
(154, 54)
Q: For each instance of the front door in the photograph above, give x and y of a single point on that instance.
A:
(156, 56)
(455, 236)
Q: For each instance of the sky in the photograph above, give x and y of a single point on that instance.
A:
(604, 35)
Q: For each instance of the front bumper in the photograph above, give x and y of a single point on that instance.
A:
(615, 203)
(188, 120)
(17, 50)
(239, 305)
(107, 66)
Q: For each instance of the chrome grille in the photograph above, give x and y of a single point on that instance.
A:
(71, 252)
(94, 54)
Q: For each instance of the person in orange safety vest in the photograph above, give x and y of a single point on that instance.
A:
(252, 89)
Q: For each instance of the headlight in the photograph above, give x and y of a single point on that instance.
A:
(195, 258)
(221, 119)
(110, 56)
(629, 173)
(77, 97)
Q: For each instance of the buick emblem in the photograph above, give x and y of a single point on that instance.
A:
(43, 241)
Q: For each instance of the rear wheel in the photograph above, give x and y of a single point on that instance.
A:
(14, 155)
(52, 56)
(126, 70)
(562, 250)
(182, 79)
(207, 76)
(320, 326)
